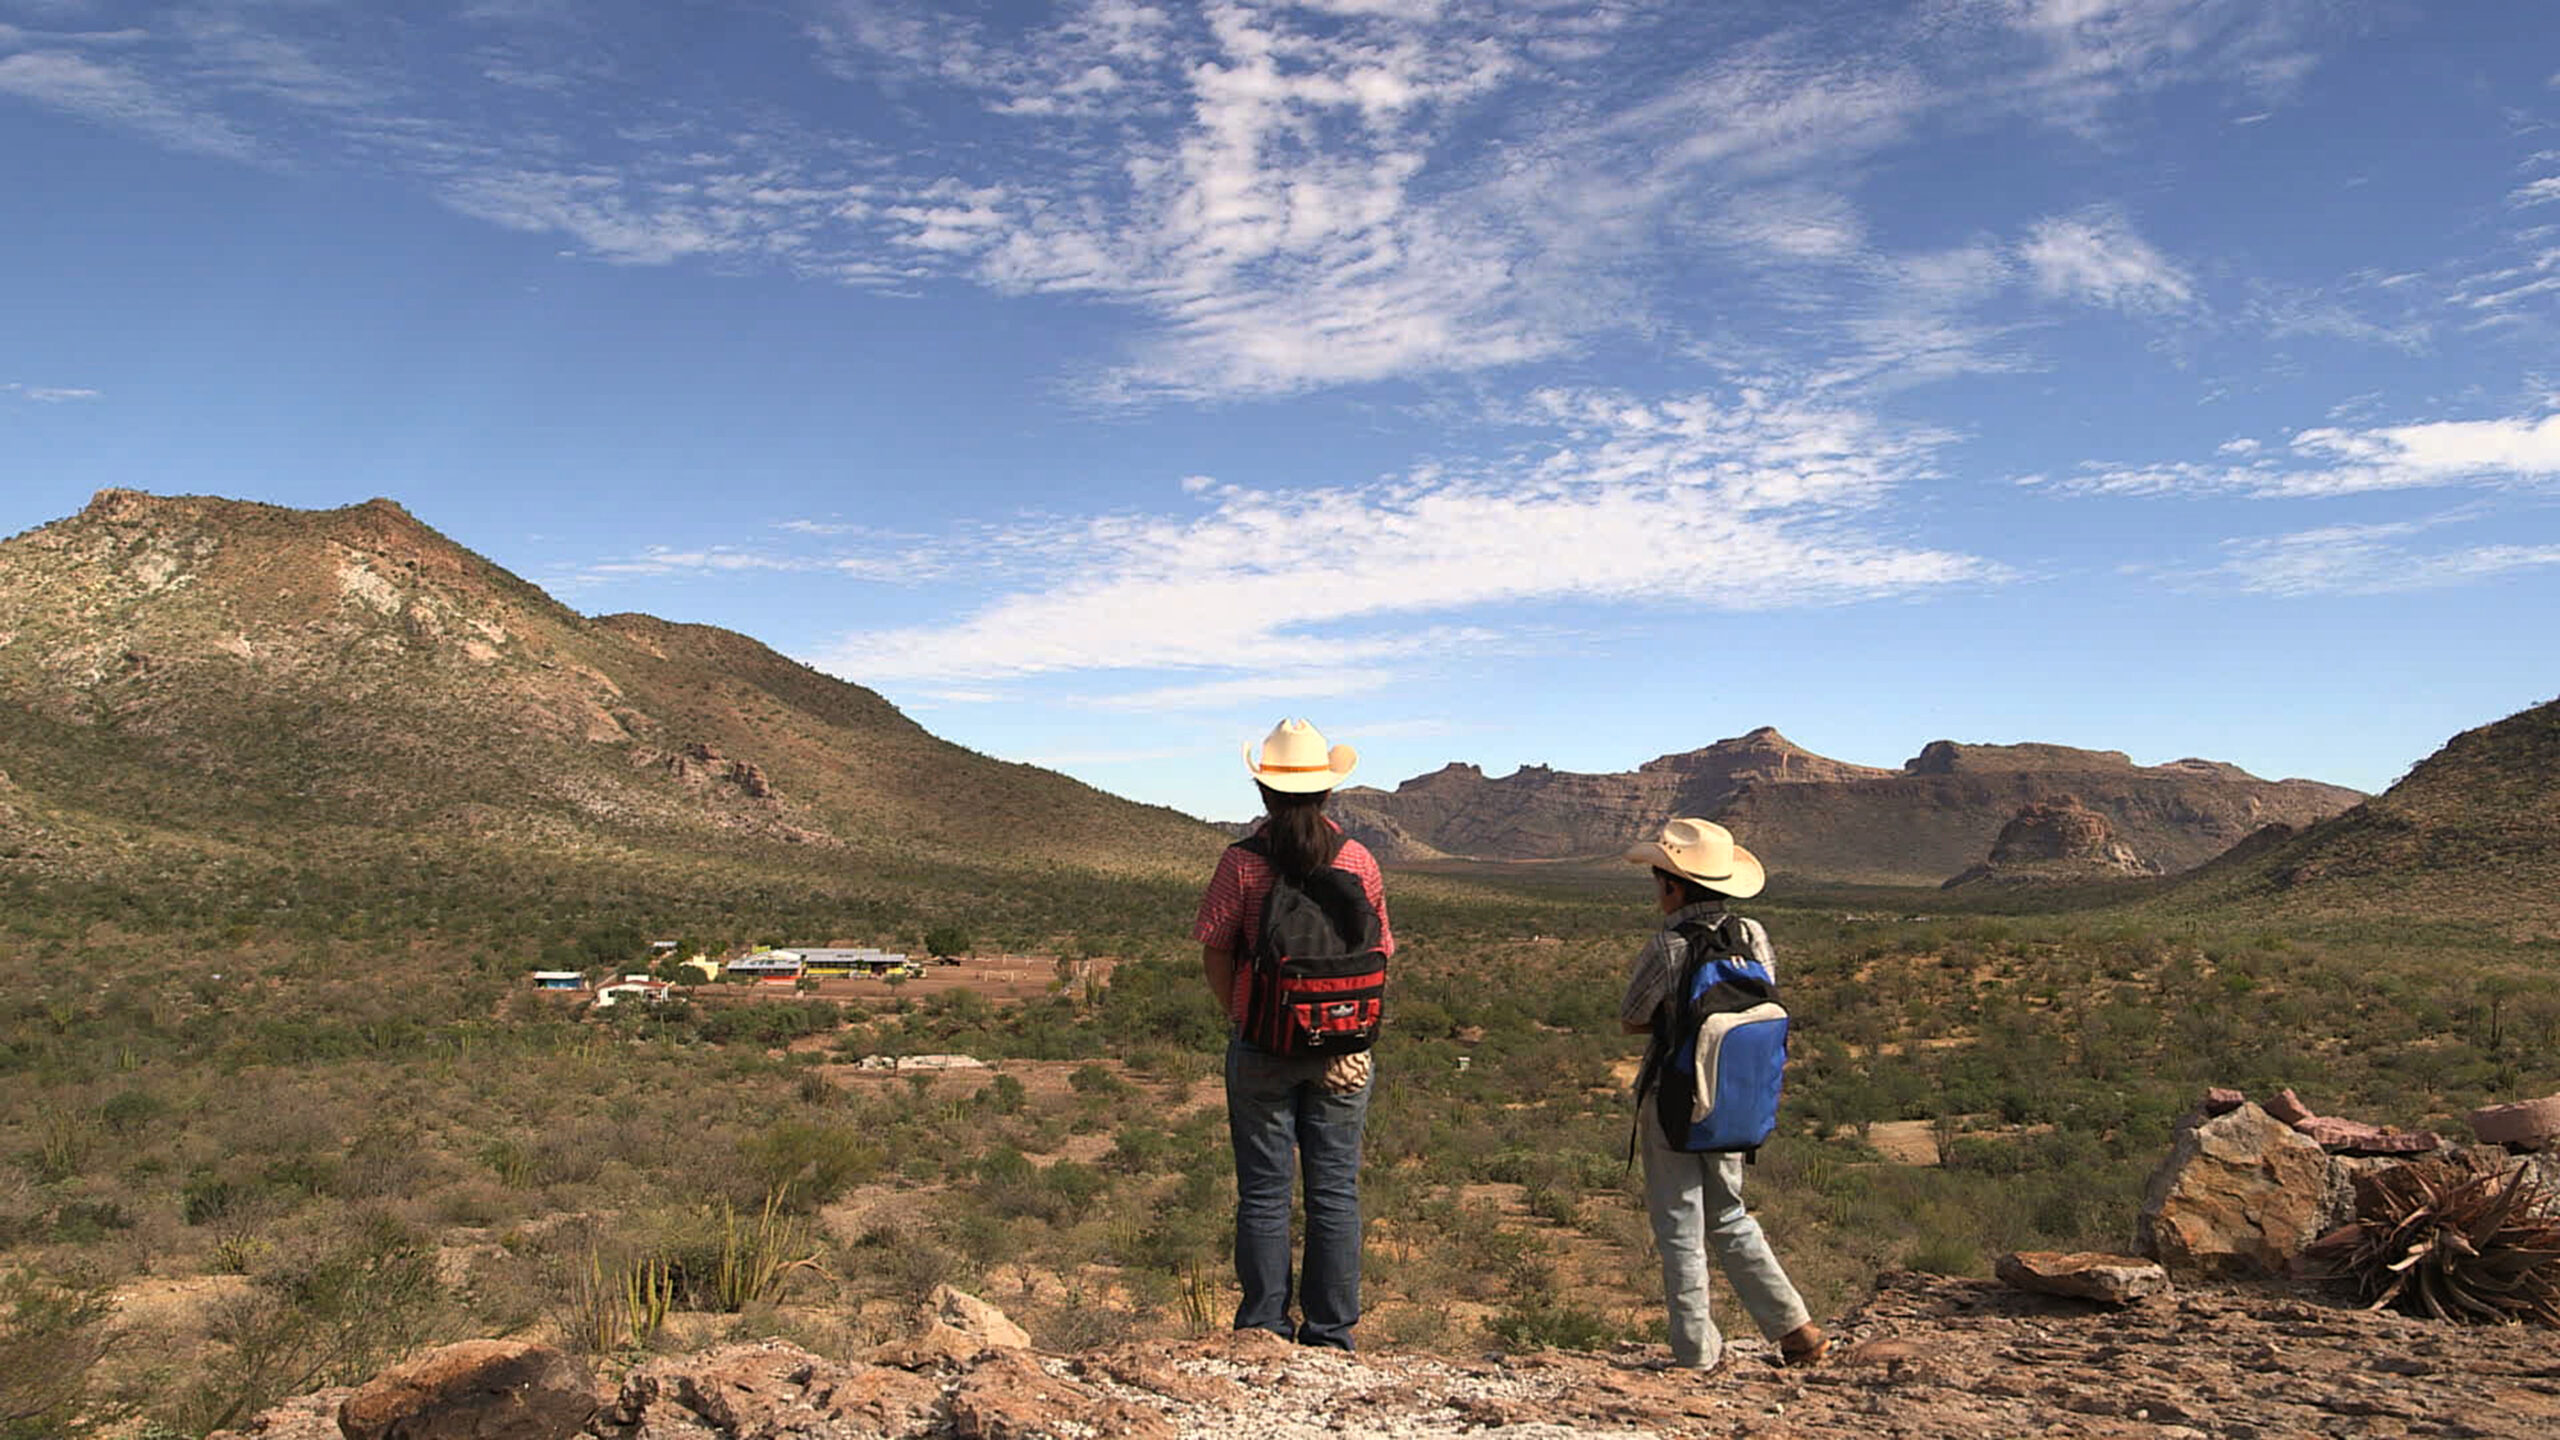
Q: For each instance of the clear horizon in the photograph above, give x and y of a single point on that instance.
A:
(1513, 383)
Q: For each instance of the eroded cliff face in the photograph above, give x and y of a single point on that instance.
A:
(1810, 816)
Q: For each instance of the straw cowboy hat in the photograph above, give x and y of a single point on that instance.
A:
(1295, 759)
(1704, 851)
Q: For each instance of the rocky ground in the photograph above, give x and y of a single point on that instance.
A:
(1926, 1357)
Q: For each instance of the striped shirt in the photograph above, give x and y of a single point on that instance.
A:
(1231, 908)
(1658, 964)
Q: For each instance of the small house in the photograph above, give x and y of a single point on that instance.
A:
(639, 989)
(559, 980)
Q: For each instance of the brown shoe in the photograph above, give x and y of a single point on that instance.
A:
(1804, 1345)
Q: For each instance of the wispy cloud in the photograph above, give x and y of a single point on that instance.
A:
(50, 394)
(2096, 258)
(2342, 460)
(1285, 196)
(1618, 502)
(906, 566)
(1316, 684)
(2539, 192)
(2380, 559)
(121, 96)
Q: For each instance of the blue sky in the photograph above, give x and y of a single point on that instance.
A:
(1499, 380)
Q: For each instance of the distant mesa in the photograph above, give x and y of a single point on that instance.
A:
(1810, 817)
(2056, 842)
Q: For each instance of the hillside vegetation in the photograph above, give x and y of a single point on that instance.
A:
(2471, 837)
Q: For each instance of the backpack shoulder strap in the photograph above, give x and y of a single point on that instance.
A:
(1256, 844)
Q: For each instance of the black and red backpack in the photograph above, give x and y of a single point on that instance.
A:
(1316, 979)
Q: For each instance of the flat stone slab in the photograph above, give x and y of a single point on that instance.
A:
(2083, 1275)
(2354, 1137)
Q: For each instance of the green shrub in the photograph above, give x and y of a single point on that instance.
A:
(330, 1315)
(809, 1162)
(53, 1333)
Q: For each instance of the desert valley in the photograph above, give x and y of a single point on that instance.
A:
(296, 802)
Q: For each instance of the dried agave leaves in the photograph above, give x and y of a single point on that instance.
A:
(2452, 1240)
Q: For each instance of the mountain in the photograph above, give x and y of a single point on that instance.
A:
(244, 675)
(2473, 831)
(1812, 817)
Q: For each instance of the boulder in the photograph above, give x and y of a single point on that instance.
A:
(2083, 1275)
(2525, 1125)
(975, 1318)
(477, 1390)
(768, 1391)
(952, 1327)
(2288, 1107)
(2238, 1194)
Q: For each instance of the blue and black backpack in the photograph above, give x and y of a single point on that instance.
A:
(1719, 1053)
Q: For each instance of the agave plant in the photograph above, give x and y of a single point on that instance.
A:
(2452, 1240)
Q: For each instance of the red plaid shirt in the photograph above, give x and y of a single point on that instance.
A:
(1231, 908)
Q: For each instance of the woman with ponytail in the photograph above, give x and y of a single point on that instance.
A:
(1292, 1114)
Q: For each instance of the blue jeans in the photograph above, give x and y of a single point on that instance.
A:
(1283, 1119)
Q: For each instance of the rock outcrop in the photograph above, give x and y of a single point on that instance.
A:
(476, 1390)
(2056, 842)
(1925, 1358)
(768, 1390)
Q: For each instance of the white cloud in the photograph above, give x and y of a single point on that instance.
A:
(2095, 257)
(906, 566)
(2367, 560)
(2341, 460)
(112, 95)
(1755, 501)
(1318, 684)
(50, 394)
(2540, 192)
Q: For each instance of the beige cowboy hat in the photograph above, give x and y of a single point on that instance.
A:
(1704, 851)
(1294, 758)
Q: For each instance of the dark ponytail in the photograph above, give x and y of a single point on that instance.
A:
(1302, 840)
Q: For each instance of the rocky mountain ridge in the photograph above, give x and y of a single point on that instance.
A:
(2471, 833)
(234, 671)
(1809, 816)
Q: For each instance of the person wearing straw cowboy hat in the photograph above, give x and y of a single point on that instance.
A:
(1291, 1114)
(1695, 1200)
